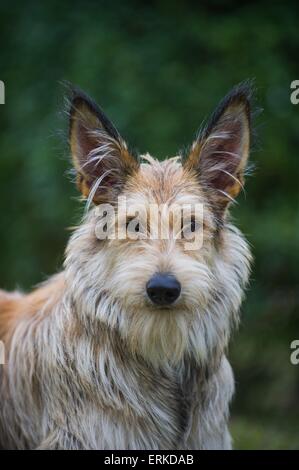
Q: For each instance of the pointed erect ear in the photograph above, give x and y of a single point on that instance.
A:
(220, 153)
(100, 156)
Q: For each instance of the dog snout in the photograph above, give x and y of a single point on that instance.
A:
(163, 289)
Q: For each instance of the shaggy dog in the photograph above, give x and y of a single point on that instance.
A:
(125, 348)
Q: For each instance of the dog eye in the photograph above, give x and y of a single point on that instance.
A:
(131, 226)
(190, 226)
(193, 225)
(135, 227)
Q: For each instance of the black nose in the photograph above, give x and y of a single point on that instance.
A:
(163, 289)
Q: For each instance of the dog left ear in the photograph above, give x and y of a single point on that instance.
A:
(220, 153)
(100, 156)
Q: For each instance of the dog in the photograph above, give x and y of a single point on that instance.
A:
(125, 348)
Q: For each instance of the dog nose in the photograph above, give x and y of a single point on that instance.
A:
(163, 289)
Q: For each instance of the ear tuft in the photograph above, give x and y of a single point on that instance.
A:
(100, 156)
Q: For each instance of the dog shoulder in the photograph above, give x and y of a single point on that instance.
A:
(8, 307)
(15, 306)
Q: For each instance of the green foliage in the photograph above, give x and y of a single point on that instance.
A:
(158, 71)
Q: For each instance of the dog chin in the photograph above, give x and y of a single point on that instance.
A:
(163, 335)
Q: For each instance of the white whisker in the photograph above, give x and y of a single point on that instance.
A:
(94, 189)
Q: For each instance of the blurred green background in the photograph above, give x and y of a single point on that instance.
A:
(158, 70)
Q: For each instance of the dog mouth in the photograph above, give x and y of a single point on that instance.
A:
(164, 308)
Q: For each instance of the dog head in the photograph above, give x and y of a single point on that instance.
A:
(156, 257)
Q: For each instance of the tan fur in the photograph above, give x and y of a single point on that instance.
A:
(91, 363)
(96, 312)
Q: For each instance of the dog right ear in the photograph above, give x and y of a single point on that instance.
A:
(100, 156)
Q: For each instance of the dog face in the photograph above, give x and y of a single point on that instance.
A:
(170, 271)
